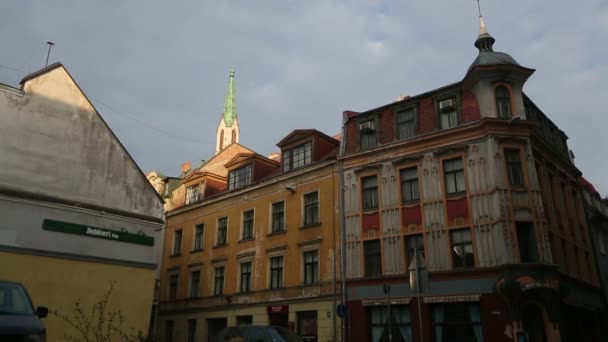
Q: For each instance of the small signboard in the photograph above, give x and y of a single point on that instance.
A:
(277, 309)
(341, 310)
(95, 232)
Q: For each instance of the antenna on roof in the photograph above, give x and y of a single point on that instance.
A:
(479, 8)
(50, 43)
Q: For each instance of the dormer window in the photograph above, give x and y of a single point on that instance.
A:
(240, 177)
(297, 157)
(448, 115)
(367, 130)
(503, 102)
(192, 193)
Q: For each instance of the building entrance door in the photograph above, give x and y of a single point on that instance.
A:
(279, 319)
(214, 326)
(534, 323)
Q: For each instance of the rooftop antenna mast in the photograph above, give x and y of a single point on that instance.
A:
(50, 43)
(479, 8)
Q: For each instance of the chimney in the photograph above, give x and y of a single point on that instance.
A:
(186, 167)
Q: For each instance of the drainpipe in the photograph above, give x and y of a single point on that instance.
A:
(342, 229)
(334, 283)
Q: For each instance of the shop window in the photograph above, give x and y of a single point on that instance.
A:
(457, 322)
(307, 325)
(400, 321)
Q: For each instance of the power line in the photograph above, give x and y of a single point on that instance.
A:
(134, 118)
(13, 69)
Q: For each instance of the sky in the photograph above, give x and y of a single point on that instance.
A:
(157, 71)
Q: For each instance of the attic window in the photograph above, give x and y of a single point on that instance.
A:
(192, 193)
(240, 177)
(297, 157)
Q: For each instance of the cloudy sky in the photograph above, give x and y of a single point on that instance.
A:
(157, 71)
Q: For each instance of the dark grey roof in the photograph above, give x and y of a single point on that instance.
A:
(492, 58)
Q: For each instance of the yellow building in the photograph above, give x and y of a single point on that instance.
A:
(255, 242)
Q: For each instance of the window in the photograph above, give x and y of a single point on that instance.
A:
(195, 284)
(307, 325)
(462, 248)
(297, 157)
(244, 320)
(222, 231)
(454, 176)
(192, 193)
(526, 238)
(245, 276)
(413, 243)
(448, 115)
(367, 134)
(370, 192)
(191, 330)
(516, 177)
(173, 281)
(278, 217)
(169, 331)
(276, 272)
(379, 323)
(248, 224)
(311, 267)
(406, 123)
(457, 322)
(199, 230)
(311, 208)
(503, 102)
(219, 281)
(240, 177)
(373, 259)
(222, 140)
(177, 242)
(233, 137)
(409, 185)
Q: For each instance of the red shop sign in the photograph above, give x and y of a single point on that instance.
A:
(277, 309)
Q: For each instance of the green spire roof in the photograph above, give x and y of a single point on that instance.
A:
(229, 114)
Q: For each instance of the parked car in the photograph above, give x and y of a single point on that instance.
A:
(256, 333)
(19, 322)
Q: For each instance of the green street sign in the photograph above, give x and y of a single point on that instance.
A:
(100, 233)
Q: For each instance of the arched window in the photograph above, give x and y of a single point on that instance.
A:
(503, 102)
(221, 140)
(233, 136)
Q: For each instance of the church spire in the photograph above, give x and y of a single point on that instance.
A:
(229, 114)
(228, 129)
(484, 41)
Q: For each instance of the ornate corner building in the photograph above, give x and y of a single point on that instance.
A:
(463, 214)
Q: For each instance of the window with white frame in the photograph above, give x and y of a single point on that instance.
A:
(199, 231)
(246, 276)
(297, 157)
(369, 187)
(278, 217)
(240, 177)
(222, 231)
(219, 281)
(409, 185)
(311, 267)
(195, 284)
(454, 176)
(311, 208)
(247, 225)
(276, 272)
(192, 193)
(503, 102)
(448, 114)
(367, 134)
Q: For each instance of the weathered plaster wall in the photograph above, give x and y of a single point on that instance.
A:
(53, 142)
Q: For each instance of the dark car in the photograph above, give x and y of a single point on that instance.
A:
(19, 322)
(255, 333)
